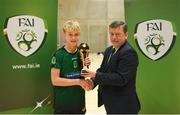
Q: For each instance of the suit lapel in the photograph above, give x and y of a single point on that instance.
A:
(107, 65)
(106, 60)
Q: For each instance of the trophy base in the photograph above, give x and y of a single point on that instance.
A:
(83, 71)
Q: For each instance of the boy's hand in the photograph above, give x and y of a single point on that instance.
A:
(87, 61)
(86, 84)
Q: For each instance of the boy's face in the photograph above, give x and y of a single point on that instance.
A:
(72, 37)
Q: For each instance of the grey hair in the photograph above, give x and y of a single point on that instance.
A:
(116, 24)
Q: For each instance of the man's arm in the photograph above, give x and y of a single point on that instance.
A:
(125, 71)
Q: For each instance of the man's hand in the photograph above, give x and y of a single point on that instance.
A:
(90, 84)
(89, 74)
(86, 84)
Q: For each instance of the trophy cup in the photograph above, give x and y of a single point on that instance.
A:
(84, 51)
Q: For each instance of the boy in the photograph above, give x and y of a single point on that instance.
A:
(66, 65)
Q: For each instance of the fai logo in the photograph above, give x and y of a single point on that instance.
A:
(25, 33)
(155, 38)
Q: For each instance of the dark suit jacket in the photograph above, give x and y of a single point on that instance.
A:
(116, 80)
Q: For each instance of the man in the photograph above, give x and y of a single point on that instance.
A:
(66, 65)
(117, 75)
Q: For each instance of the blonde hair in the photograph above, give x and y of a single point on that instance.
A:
(71, 25)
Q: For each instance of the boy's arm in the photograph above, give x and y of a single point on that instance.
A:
(58, 81)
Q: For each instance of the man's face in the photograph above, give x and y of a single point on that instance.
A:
(72, 37)
(117, 36)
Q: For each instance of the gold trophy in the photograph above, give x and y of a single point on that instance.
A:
(84, 51)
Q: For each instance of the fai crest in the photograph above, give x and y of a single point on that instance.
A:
(25, 33)
(155, 38)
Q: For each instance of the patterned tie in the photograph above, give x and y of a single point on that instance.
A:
(112, 53)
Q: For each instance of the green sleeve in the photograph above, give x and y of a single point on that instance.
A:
(55, 61)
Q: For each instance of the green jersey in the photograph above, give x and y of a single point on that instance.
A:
(68, 98)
